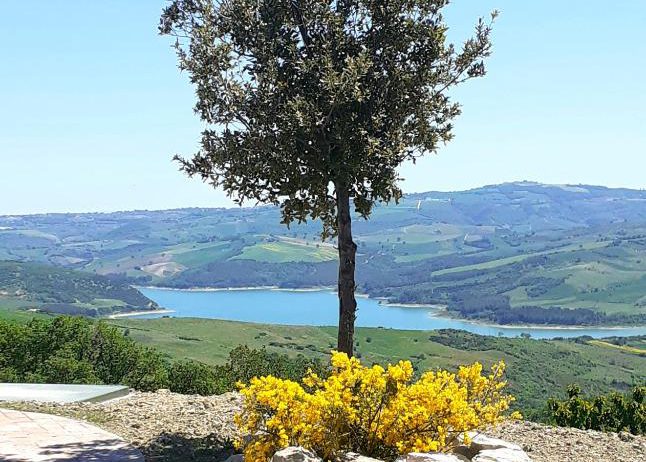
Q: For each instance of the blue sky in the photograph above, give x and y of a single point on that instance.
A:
(92, 106)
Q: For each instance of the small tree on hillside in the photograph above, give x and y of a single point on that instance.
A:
(312, 105)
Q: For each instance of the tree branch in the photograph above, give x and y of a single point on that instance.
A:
(298, 18)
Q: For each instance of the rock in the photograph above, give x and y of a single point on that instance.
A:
(465, 452)
(354, 457)
(625, 436)
(295, 454)
(501, 455)
(482, 443)
(431, 457)
(235, 458)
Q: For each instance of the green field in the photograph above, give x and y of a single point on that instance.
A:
(537, 369)
(495, 263)
(623, 348)
(199, 254)
(286, 251)
(9, 312)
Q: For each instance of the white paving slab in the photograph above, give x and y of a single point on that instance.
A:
(58, 393)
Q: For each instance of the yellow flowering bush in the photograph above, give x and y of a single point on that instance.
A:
(374, 411)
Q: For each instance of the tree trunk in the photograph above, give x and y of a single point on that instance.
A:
(347, 253)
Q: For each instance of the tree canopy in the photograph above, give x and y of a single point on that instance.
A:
(314, 104)
(304, 97)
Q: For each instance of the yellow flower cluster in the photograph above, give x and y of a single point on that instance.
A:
(370, 410)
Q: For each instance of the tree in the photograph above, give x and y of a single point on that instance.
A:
(312, 105)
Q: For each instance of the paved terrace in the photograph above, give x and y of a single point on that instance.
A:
(33, 437)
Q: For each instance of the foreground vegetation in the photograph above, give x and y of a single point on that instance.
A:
(537, 369)
(205, 357)
(611, 412)
(374, 411)
(75, 350)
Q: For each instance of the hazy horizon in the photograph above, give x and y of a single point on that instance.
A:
(248, 206)
(94, 106)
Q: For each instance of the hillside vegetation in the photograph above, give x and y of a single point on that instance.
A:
(205, 356)
(77, 350)
(537, 369)
(511, 253)
(59, 290)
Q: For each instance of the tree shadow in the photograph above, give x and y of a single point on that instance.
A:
(172, 447)
(167, 447)
(100, 450)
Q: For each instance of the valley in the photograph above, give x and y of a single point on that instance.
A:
(305, 231)
(516, 253)
(569, 262)
(319, 307)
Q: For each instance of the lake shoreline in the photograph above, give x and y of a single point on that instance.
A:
(440, 311)
(235, 289)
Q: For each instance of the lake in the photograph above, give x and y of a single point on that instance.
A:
(320, 308)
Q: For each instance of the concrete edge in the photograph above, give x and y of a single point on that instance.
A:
(116, 394)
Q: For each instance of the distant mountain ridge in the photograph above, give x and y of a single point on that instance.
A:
(557, 192)
(563, 205)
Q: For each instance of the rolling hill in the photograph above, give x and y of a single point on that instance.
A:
(58, 290)
(515, 252)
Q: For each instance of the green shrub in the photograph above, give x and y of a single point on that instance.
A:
(194, 378)
(611, 412)
(245, 363)
(76, 350)
(8, 375)
(64, 368)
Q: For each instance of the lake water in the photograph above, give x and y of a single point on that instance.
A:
(320, 308)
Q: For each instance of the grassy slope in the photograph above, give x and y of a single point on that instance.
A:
(280, 252)
(596, 275)
(624, 348)
(536, 369)
(495, 263)
(9, 312)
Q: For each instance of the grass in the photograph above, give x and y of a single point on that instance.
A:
(597, 275)
(597, 285)
(537, 369)
(10, 312)
(201, 254)
(417, 234)
(624, 348)
(517, 258)
(282, 251)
